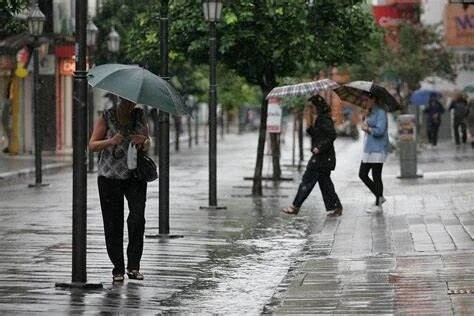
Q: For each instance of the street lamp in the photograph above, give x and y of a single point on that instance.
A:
(36, 20)
(91, 39)
(113, 41)
(212, 13)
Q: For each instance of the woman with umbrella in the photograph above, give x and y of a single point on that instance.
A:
(376, 145)
(323, 161)
(119, 126)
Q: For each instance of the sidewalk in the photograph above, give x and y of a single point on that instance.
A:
(415, 258)
(250, 258)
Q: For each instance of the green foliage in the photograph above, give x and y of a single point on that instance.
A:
(420, 53)
(9, 24)
(258, 41)
(265, 39)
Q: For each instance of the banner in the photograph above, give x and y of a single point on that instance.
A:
(274, 116)
(459, 25)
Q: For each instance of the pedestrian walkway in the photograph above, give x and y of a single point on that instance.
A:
(414, 258)
(250, 258)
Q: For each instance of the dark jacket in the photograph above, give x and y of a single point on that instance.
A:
(433, 112)
(323, 135)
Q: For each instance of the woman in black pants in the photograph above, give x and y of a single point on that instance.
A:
(376, 146)
(323, 161)
(112, 134)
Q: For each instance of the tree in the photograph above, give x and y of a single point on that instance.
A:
(263, 40)
(419, 53)
(260, 40)
(10, 25)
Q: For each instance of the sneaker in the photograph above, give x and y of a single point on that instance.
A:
(135, 275)
(382, 200)
(375, 209)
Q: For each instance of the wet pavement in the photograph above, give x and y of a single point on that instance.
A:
(415, 258)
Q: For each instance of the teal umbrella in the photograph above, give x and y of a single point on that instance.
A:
(139, 85)
(469, 88)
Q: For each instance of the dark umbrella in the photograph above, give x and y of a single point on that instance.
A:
(352, 92)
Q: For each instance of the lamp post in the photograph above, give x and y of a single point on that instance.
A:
(36, 20)
(79, 158)
(113, 42)
(91, 39)
(212, 13)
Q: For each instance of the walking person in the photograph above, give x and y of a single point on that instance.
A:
(433, 113)
(459, 107)
(376, 146)
(112, 134)
(470, 120)
(322, 162)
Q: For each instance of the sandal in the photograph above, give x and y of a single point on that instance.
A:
(135, 275)
(117, 278)
(291, 210)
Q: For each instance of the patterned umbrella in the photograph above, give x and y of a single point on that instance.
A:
(351, 92)
(305, 88)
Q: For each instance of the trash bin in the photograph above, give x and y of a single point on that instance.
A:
(407, 146)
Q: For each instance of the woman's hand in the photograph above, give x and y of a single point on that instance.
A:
(365, 127)
(138, 139)
(315, 150)
(116, 139)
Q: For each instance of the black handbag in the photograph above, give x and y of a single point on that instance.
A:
(146, 167)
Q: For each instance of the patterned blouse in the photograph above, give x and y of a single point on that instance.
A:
(113, 160)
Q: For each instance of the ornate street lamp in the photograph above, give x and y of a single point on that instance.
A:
(91, 40)
(91, 33)
(113, 41)
(212, 13)
(36, 20)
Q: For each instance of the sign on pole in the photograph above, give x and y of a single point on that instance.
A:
(274, 116)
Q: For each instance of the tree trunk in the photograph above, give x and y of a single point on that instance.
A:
(196, 126)
(221, 122)
(229, 121)
(268, 82)
(275, 142)
(177, 127)
(190, 132)
(156, 125)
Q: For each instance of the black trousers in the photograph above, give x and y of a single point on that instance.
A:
(112, 193)
(433, 134)
(312, 175)
(463, 127)
(375, 184)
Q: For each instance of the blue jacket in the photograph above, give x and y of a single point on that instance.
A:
(377, 140)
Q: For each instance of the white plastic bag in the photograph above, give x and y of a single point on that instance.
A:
(132, 157)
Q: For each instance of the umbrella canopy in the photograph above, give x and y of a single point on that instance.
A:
(139, 85)
(305, 88)
(353, 91)
(422, 96)
(469, 88)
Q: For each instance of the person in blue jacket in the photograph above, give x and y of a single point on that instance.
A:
(376, 146)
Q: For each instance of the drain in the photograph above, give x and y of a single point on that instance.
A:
(460, 291)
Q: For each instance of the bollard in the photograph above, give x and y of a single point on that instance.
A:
(407, 146)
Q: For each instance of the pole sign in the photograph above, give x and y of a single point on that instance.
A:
(274, 116)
